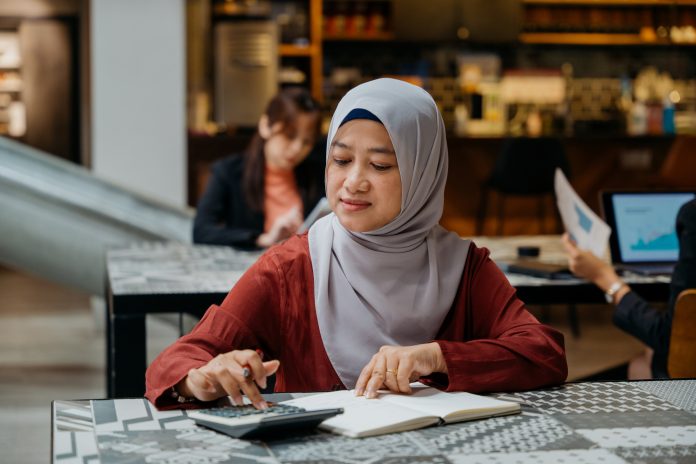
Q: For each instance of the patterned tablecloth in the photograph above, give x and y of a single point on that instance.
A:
(169, 267)
(610, 422)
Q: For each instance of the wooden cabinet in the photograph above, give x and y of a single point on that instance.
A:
(488, 21)
(609, 22)
(564, 22)
(364, 20)
(12, 113)
(304, 54)
(471, 21)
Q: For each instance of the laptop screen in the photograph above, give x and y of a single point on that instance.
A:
(643, 225)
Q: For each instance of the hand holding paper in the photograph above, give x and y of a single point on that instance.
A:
(586, 229)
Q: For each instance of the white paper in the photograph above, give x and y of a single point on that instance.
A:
(392, 412)
(320, 210)
(587, 229)
(443, 404)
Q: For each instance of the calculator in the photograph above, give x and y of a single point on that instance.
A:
(249, 422)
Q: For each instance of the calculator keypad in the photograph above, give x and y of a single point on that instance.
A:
(248, 410)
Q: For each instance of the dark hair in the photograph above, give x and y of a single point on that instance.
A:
(283, 108)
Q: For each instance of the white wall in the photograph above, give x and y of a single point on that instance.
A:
(138, 95)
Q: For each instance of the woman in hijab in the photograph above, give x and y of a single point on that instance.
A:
(377, 294)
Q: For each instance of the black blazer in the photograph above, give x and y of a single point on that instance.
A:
(635, 316)
(223, 216)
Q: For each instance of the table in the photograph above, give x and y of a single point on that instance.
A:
(592, 422)
(156, 277)
(534, 290)
(159, 277)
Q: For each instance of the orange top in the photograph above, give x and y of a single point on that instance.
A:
(280, 196)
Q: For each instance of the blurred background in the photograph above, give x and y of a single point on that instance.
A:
(112, 111)
(169, 86)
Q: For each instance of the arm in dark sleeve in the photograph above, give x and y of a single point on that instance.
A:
(684, 275)
(635, 316)
(209, 227)
(507, 348)
(246, 319)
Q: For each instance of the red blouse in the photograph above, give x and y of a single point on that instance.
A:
(489, 340)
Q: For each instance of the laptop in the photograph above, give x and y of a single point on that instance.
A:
(644, 239)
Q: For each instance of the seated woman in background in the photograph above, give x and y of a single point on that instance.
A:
(261, 197)
(377, 294)
(632, 313)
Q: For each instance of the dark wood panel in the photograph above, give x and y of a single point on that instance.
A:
(204, 150)
(595, 163)
(50, 84)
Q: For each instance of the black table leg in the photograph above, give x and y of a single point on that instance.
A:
(128, 356)
(109, 347)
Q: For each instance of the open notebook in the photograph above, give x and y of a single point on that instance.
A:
(392, 412)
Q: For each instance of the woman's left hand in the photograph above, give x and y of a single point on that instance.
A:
(395, 367)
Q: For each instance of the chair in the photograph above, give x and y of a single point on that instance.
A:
(681, 359)
(524, 167)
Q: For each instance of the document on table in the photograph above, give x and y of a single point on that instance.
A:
(587, 229)
(398, 413)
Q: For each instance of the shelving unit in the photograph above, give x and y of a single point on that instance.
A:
(311, 51)
(611, 2)
(610, 22)
(296, 50)
(587, 38)
(12, 115)
(363, 20)
(377, 37)
(547, 22)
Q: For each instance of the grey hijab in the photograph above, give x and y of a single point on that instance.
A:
(396, 284)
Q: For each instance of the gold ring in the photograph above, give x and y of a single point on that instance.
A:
(392, 371)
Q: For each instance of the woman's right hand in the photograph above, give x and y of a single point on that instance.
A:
(225, 375)
(282, 228)
(586, 265)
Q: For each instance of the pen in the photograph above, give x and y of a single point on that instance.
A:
(246, 371)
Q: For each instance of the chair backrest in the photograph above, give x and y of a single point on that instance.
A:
(526, 166)
(681, 360)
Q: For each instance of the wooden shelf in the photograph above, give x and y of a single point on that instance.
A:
(382, 36)
(312, 51)
(627, 3)
(589, 38)
(297, 50)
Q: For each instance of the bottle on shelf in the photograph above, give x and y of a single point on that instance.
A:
(668, 115)
(638, 118)
(376, 19)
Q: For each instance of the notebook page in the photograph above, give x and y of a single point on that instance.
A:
(458, 404)
(364, 416)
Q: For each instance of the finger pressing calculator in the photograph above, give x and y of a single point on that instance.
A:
(249, 422)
